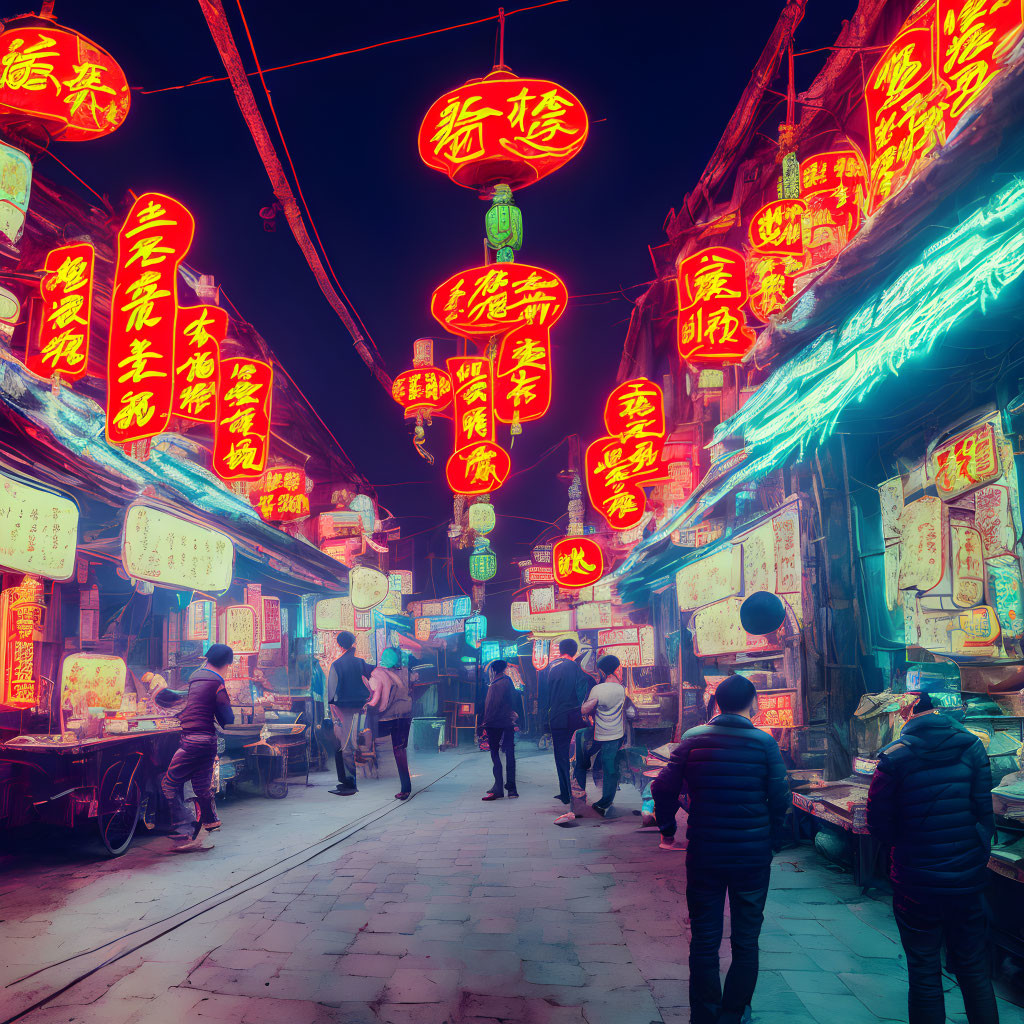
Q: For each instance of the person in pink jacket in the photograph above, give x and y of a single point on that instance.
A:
(393, 702)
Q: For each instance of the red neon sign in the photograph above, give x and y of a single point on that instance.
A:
(57, 77)
(502, 130)
(777, 228)
(621, 464)
(834, 186)
(200, 331)
(477, 465)
(578, 562)
(62, 345)
(523, 375)
(772, 283)
(712, 293)
(23, 609)
(280, 495)
(242, 435)
(153, 240)
(423, 389)
(484, 301)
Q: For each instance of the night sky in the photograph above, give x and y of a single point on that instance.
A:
(659, 81)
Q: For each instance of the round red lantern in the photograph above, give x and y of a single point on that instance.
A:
(422, 389)
(578, 562)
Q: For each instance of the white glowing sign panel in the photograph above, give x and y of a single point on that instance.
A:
(716, 630)
(633, 646)
(92, 681)
(367, 587)
(237, 627)
(923, 544)
(334, 614)
(710, 579)
(38, 530)
(968, 566)
(551, 623)
(171, 551)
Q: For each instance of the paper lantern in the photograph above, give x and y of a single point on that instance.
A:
(483, 563)
(279, 495)
(578, 562)
(61, 343)
(476, 629)
(242, 437)
(503, 224)
(424, 389)
(367, 587)
(482, 518)
(502, 129)
(712, 289)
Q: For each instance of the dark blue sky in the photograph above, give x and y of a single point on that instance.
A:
(658, 79)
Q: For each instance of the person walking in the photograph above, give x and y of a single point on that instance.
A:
(738, 798)
(206, 702)
(347, 694)
(393, 702)
(930, 800)
(499, 724)
(567, 689)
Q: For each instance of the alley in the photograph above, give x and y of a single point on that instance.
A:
(444, 909)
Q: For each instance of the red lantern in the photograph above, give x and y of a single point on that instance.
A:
(502, 130)
(712, 292)
(636, 408)
(423, 389)
(62, 343)
(59, 84)
(478, 465)
(834, 187)
(242, 435)
(777, 229)
(153, 240)
(578, 562)
(201, 329)
(280, 495)
(772, 283)
(523, 375)
(484, 301)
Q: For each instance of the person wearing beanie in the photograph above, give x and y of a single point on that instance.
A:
(738, 794)
(347, 693)
(930, 801)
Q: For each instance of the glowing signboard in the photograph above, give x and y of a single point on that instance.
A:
(966, 561)
(477, 465)
(966, 461)
(423, 389)
(776, 229)
(923, 531)
(776, 709)
(238, 628)
(367, 587)
(200, 331)
(633, 646)
(432, 627)
(199, 620)
(62, 342)
(484, 301)
(549, 623)
(578, 562)
(271, 631)
(502, 129)
(38, 530)
(152, 242)
(242, 436)
(21, 624)
(1005, 593)
(522, 377)
(716, 630)
(541, 654)
(64, 82)
(710, 579)
(280, 495)
(335, 614)
(15, 189)
(476, 629)
(458, 607)
(168, 550)
(772, 283)
(993, 519)
(712, 287)
(619, 465)
(481, 517)
(92, 681)
(834, 187)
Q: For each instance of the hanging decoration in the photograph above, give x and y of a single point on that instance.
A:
(21, 626)
(279, 495)
(59, 341)
(478, 464)
(242, 434)
(578, 562)
(481, 517)
(483, 563)
(15, 189)
(712, 292)
(476, 630)
(200, 332)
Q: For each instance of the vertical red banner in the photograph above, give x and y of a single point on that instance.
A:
(477, 465)
(61, 344)
(242, 433)
(523, 375)
(200, 330)
(153, 240)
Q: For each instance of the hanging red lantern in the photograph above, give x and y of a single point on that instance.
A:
(478, 465)
(712, 292)
(61, 341)
(522, 389)
(502, 129)
(422, 389)
(241, 439)
(578, 562)
(200, 331)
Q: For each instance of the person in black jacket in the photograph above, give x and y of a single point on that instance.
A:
(346, 696)
(738, 796)
(931, 801)
(206, 702)
(499, 723)
(567, 690)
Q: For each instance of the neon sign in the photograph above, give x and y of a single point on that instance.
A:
(967, 461)
(242, 437)
(38, 530)
(477, 465)
(367, 587)
(92, 681)
(423, 389)
(280, 495)
(237, 627)
(712, 292)
(62, 345)
(834, 187)
(523, 375)
(21, 618)
(578, 562)
(62, 80)
(502, 129)
(152, 242)
(200, 331)
(15, 189)
(777, 229)
(620, 465)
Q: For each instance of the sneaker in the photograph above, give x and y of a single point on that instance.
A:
(402, 796)
(671, 844)
(492, 796)
(601, 809)
(565, 820)
(343, 791)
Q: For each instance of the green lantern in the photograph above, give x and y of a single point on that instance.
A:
(481, 517)
(504, 224)
(483, 563)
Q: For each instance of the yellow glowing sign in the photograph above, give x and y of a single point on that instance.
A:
(92, 681)
(237, 627)
(38, 530)
(367, 587)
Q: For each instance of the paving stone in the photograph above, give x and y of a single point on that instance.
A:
(884, 996)
(539, 972)
(369, 965)
(415, 986)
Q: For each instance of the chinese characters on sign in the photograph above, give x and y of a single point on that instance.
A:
(280, 495)
(63, 80)
(242, 435)
(153, 240)
(15, 189)
(237, 627)
(712, 292)
(92, 681)
(776, 229)
(578, 562)
(523, 375)
(38, 530)
(477, 465)
(775, 709)
(966, 461)
(502, 129)
(21, 625)
(200, 331)
(422, 389)
(630, 457)
(62, 343)
(833, 186)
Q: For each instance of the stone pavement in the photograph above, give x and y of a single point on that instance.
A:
(449, 910)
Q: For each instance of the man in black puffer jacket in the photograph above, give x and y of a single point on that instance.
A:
(931, 801)
(738, 797)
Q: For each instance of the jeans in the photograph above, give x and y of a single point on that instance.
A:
(923, 925)
(560, 739)
(498, 741)
(398, 730)
(705, 900)
(193, 760)
(607, 751)
(346, 733)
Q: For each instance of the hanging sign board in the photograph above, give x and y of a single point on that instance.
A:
(21, 625)
(237, 627)
(967, 461)
(170, 551)
(15, 189)
(38, 530)
(710, 579)
(543, 623)
(334, 614)
(633, 646)
(367, 587)
(716, 630)
(92, 681)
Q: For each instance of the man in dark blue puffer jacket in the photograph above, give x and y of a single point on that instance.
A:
(931, 801)
(738, 797)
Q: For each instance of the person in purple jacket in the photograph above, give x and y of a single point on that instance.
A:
(206, 702)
